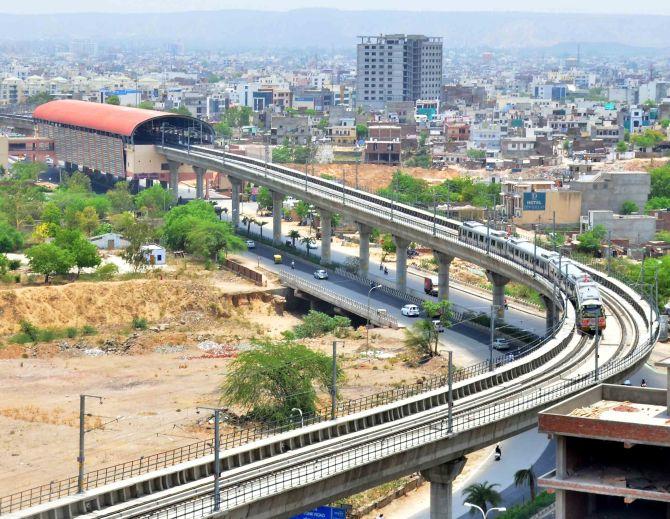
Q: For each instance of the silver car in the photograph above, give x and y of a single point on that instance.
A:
(320, 274)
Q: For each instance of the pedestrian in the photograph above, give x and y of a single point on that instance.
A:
(498, 453)
(643, 383)
(381, 266)
(380, 516)
(292, 265)
(386, 271)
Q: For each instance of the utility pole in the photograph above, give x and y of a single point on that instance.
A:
(333, 387)
(82, 432)
(357, 162)
(554, 240)
(367, 323)
(450, 394)
(434, 213)
(493, 335)
(217, 454)
(488, 231)
(535, 252)
(597, 343)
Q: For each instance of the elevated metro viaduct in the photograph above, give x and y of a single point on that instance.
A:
(118, 142)
(132, 143)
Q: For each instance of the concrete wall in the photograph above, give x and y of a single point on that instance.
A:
(608, 191)
(637, 228)
(4, 151)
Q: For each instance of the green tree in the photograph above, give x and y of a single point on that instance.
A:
(120, 198)
(154, 200)
(308, 242)
(264, 198)
(482, 495)
(420, 337)
(87, 220)
(4, 264)
(388, 244)
(146, 105)
(590, 241)
(10, 239)
(657, 202)
(273, 378)
(361, 131)
(318, 324)
(293, 235)
(660, 182)
(49, 259)
(180, 219)
(648, 139)
(113, 100)
(665, 123)
(77, 181)
(621, 147)
(208, 239)
(302, 209)
(323, 123)
(20, 202)
(84, 253)
(51, 213)
(629, 207)
(476, 154)
(526, 477)
(122, 222)
(39, 99)
(301, 154)
(138, 234)
(223, 129)
(282, 154)
(27, 170)
(182, 110)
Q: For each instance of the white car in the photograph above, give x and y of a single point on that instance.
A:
(501, 344)
(410, 311)
(251, 244)
(320, 274)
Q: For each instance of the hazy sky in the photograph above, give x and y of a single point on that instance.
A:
(592, 6)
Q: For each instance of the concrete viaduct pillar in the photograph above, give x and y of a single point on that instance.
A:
(552, 313)
(199, 181)
(498, 281)
(401, 245)
(174, 178)
(277, 206)
(364, 232)
(236, 188)
(441, 480)
(443, 265)
(326, 235)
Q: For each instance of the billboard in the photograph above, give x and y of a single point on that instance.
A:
(323, 512)
(534, 201)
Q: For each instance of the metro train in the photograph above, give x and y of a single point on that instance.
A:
(577, 284)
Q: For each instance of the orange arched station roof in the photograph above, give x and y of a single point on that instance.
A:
(119, 120)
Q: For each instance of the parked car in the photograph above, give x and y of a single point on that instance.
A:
(251, 244)
(320, 274)
(410, 311)
(412, 253)
(501, 344)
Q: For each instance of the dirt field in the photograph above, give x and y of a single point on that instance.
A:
(372, 177)
(151, 380)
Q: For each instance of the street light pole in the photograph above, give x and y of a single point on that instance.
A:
(367, 323)
(450, 422)
(486, 514)
(217, 455)
(82, 432)
(493, 335)
(302, 419)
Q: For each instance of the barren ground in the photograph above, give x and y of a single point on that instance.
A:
(151, 380)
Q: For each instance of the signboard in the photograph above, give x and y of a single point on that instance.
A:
(323, 512)
(534, 201)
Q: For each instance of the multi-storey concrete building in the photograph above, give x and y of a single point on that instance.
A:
(398, 67)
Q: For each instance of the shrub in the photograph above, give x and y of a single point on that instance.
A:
(29, 330)
(87, 329)
(14, 264)
(317, 324)
(527, 510)
(106, 272)
(71, 332)
(47, 335)
(139, 323)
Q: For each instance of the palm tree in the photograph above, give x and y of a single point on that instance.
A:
(482, 494)
(307, 242)
(294, 235)
(247, 221)
(260, 224)
(526, 477)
